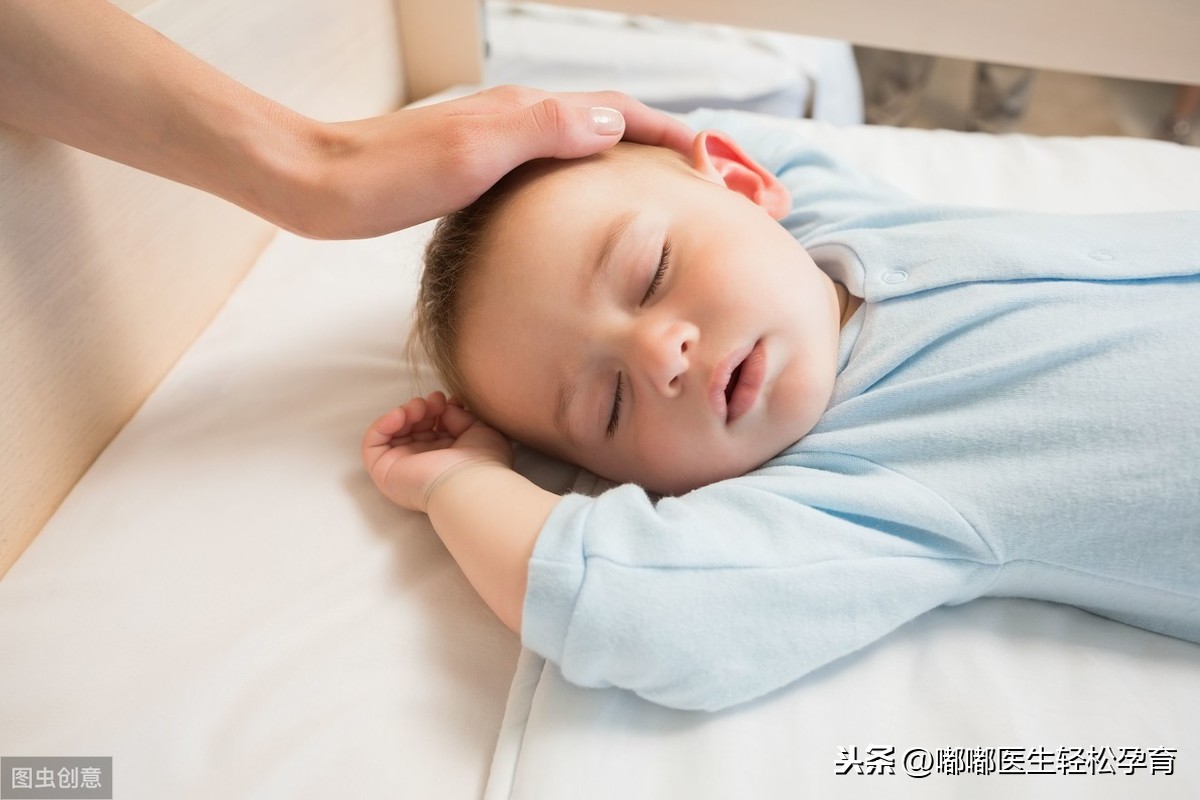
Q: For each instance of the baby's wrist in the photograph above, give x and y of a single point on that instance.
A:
(457, 474)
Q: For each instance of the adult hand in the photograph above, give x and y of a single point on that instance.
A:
(93, 77)
(380, 174)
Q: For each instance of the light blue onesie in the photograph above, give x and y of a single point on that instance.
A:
(1016, 413)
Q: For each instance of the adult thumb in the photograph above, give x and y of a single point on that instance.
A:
(554, 128)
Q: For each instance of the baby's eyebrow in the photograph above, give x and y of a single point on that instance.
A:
(608, 244)
(566, 395)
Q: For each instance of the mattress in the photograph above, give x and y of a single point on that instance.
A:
(226, 607)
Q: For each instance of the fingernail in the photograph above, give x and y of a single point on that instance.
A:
(607, 121)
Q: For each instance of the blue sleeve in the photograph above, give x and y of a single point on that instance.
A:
(739, 588)
(828, 195)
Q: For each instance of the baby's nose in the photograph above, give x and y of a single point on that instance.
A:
(665, 352)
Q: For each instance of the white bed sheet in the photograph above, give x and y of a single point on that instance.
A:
(225, 605)
(996, 673)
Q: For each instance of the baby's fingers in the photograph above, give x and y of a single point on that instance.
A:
(395, 424)
(387, 427)
(424, 412)
(456, 420)
(378, 438)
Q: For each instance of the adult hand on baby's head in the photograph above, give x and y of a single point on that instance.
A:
(519, 123)
(381, 174)
(411, 449)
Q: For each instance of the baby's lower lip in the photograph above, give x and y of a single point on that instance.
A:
(721, 377)
(752, 375)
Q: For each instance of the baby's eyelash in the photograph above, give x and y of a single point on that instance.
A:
(615, 417)
(660, 273)
(664, 261)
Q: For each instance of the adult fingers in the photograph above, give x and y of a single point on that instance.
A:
(550, 128)
(642, 123)
(574, 125)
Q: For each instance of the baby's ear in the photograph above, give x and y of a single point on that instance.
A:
(718, 158)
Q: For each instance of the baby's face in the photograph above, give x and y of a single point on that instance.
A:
(648, 324)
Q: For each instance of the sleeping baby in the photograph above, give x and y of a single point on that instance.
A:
(830, 408)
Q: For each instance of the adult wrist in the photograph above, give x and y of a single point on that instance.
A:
(292, 180)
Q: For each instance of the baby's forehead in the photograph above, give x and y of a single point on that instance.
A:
(619, 171)
(634, 154)
(624, 158)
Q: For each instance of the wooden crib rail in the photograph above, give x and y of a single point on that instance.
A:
(1150, 39)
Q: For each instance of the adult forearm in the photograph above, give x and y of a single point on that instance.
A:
(489, 518)
(87, 74)
(91, 76)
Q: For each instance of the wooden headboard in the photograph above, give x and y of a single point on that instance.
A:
(107, 274)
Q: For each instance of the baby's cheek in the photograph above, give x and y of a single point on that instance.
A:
(681, 467)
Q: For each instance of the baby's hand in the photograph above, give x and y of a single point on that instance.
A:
(411, 449)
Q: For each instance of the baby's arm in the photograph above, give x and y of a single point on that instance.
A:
(433, 456)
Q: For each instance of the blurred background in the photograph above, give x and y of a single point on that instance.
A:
(679, 66)
(1064, 104)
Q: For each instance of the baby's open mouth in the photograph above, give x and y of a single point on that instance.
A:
(745, 383)
(733, 380)
(731, 394)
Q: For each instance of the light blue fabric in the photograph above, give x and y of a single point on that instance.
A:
(1016, 413)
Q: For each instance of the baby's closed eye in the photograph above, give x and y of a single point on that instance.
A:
(664, 262)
